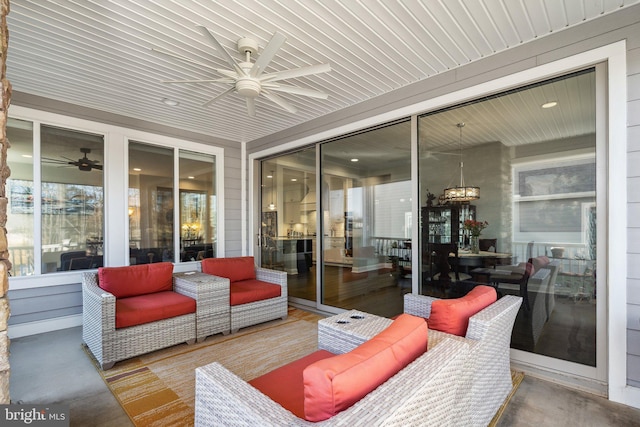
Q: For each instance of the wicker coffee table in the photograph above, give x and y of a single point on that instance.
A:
(345, 331)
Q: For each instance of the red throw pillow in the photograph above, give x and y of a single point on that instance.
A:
(452, 315)
(334, 384)
(135, 280)
(234, 269)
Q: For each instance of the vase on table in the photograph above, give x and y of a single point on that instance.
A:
(475, 244)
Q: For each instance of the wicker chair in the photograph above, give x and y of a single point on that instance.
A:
(423, 393)
(252, 313)
(487, 375)
(110, 345)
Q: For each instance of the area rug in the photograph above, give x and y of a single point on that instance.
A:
(158, 389)
(516, 379)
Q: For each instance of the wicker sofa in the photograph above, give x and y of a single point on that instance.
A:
(423, 393)
(486, 376)
(256, 294)
(110, 343)
(459, 381)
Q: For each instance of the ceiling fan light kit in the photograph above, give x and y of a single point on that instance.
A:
(247, 78)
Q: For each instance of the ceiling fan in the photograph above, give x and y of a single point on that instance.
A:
(248, 79)
(84, 164)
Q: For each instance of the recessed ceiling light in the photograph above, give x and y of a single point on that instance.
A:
(28, 156)
(269, 176)
(354, 160)
(293, 180)
(170, 102)
(191, 177)
(137, 169)
(549, 104)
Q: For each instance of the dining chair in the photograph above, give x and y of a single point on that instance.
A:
(444, 264)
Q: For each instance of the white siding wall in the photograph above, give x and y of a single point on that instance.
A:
(633, 236)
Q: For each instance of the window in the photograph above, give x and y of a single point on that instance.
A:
(150, 203)
(152, 229)
(70, 207)
(20, 194)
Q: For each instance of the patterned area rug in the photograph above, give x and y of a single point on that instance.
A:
(516, 379)
(158, 389)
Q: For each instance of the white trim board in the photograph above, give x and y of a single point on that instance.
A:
(42, 326)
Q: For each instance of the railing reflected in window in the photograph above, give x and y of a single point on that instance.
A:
(19, 190)
(72, 195)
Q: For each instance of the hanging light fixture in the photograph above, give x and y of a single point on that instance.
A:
(461, 193)
(272, 206)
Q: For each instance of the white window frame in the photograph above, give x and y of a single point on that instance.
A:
(116, 166)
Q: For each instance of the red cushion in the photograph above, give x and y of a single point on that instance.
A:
(334, 384)
(152, 307)
(135, 280)
(452, 315)
(234, 269)
(285, 386)
(247, 291)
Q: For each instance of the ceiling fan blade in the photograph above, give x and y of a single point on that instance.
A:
(221, 80)
(251, 106)
(184, 58)
(267, 54)
(281, 102)
(99, 167)
(212, 100)
(296, 72)
(221, 50)
(296, 90)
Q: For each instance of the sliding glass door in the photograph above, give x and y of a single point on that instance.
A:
(537, 204)
(366, 220)
(288, 221)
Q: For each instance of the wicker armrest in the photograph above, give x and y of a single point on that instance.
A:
(418, 305)
(224, 399)
(502, 314)
(272, 276)
(99, 306)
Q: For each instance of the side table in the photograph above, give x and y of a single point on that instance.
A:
(345, 331)
(212, 296)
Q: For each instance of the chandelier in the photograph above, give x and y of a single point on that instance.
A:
(462, 193)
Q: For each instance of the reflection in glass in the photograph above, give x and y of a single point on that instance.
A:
(72, 200)
(150, 203)
(289, 219)
(366, 220)
(198, 206)
(20, 197)
(539, 200)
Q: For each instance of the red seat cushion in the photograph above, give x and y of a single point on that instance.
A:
(247, 291)
(334, 384)
(134, 280)
(234, 269)
(285, 385)
(152, 307)
(452, 315)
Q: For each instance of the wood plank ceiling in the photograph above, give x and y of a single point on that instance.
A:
(98, 54)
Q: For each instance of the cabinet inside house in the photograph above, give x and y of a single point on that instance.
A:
(444, 224)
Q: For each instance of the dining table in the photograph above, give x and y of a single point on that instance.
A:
(469, 260)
